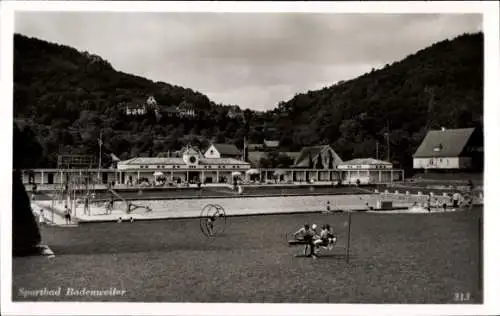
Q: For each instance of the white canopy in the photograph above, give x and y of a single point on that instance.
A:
(236, 173)
(158, 174)
(252, 171)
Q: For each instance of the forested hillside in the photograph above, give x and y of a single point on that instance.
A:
(67, 98)
(440, 86)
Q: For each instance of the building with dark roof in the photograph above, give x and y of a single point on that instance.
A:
(266, 146)
(317, 157)
(223, 151)
(186, 109)
(451, 149)
(138, 109)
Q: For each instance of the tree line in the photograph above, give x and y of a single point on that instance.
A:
(66, 98)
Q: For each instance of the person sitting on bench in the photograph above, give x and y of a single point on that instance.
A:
(306, 234)
(326, 238)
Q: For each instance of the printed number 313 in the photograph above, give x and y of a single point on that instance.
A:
(461, 297)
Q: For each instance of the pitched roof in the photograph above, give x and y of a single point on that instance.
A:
(180, 161)
(444, 143)
(153, 161)
(114, 157)
(185, 106)
(313, 152)
(365, 161)
(227, 149)
(222, 161)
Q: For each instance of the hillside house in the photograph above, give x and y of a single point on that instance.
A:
(266, 145)
(451, 149)
(135, 110)
(234, 112)
(151, 101)
(186, 109)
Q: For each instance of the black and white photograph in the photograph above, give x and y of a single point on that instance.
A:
(227, 155)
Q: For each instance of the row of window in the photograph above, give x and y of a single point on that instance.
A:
(371, 167)
(178, 167)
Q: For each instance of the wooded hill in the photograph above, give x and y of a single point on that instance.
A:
(66, 97)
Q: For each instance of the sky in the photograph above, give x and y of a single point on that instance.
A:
(254, 60)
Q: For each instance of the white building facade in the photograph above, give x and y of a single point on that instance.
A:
(369, 170)
(192, 167)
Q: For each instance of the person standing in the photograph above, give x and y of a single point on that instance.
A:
(67, 214)
(41, 218)
(86, 207)
(33, 192)
(456, 199)
(111, 204)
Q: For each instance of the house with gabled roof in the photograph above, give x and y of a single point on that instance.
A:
(451, 149)
(135, 109)
(223, 151)
(317, 157)
(186, 109)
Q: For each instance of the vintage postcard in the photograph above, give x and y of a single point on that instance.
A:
(250, 158)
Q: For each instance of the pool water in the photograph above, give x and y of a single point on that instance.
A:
(256, 205)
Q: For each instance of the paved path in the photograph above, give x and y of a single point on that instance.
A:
(50, 217)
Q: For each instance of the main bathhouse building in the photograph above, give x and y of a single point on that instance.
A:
(189, 165)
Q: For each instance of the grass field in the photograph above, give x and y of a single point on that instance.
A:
(395, 258)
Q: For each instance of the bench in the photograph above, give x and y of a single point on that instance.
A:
(297, 242)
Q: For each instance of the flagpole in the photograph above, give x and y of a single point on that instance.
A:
(348, 249)
(100, 145)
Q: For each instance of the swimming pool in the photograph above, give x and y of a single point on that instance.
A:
(239, 206)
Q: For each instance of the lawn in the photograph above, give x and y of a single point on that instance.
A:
(395, 258)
